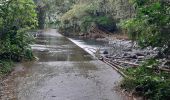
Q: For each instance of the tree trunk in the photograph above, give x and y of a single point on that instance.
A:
(41, 17)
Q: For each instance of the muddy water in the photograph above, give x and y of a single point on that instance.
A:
(63, 72)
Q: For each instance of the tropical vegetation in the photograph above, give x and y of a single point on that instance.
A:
(16, 18)
(145, 21)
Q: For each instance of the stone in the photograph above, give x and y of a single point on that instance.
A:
(140, 54)
(167, 63)
(105, 52)
(134, 56)
(141, 57)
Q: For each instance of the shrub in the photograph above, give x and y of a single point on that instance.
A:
(5, 66)
(17, 17)
(16, 48)
(147, 81)
(150, 26)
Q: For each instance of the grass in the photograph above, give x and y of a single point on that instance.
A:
(5, 67)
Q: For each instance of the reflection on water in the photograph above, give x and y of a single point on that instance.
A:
(63, 72)
(91, 42)
(50, 48)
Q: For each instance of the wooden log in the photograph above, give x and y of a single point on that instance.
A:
(129, 63)
(165, 69)
(115, 67)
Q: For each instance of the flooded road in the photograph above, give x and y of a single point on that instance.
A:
(63, 72)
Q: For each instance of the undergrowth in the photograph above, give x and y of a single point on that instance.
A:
(148, 81)
(5, 66)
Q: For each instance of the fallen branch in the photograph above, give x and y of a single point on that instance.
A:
(129, 63)
(113, 65)
(165, 69)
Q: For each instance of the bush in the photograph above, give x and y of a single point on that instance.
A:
(16, 48)
(17, 17)
(5, 66)
(85, 23)
(106, 23)
(150, 26)
(82, 17)
(147, 81)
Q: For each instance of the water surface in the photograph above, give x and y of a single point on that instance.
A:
(64, 71)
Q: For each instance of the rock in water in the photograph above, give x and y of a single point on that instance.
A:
(105, 52)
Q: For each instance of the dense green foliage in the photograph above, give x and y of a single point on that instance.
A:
(81, 17)
(76, 16)
(146, 21)
(41, 8)
(5, 67)
(16, 18)
(148, 81)
(151, 26)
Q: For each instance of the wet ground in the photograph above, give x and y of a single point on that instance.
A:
(63, 72)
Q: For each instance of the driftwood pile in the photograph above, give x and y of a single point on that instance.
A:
(121, 54)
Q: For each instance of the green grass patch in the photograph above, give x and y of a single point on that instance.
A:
(5, 67)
